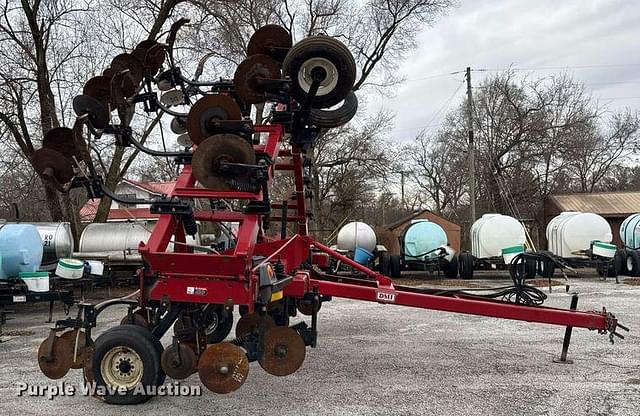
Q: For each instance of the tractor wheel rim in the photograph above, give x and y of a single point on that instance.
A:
(305, 79)
(211, 328)
(122, 367)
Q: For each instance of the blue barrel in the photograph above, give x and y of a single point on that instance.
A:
(362, 256)
(20, 249)
(421, 238)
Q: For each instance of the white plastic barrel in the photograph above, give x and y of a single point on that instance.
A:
(572, 231)
(356, 234)
(492, 233)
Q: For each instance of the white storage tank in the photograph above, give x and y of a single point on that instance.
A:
(494, 232)
(356, 234)
(630, 231)
(57, 242)
(571, 232)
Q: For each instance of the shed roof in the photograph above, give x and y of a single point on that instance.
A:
(607, 204)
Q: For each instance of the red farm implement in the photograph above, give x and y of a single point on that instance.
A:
(267, 280)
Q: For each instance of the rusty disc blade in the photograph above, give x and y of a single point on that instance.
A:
(248, 323)
(126, 61)
(184, 140)
(206, 111)
(109, 72)
(98, 113)
(211, 153)
(151, 54)
(61, 358)
(223, 367)
(178, 363)
(87, 371)
(122, 86)
(272, 40)
(61, 140)
(249, 72)
(99, 88)
(284, 351)
(52, 165)
(79, 359)
(179, 125)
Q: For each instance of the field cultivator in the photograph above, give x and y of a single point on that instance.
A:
(229, 162)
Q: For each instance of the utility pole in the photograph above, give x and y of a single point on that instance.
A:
(471, 149)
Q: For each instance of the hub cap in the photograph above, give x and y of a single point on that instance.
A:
(305, 78)
(122, 367)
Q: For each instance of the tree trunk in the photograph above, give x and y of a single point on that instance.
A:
(111, 181)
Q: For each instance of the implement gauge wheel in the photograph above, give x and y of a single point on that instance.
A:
(218, 324)
(328, 55)
(127, 359)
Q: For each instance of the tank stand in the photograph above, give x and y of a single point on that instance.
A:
(567, 336)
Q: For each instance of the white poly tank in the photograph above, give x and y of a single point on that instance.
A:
(630, 231)
(572, 231)
(493, 232)
(356, 234)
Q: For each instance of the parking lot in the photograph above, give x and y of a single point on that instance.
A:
(382, 359)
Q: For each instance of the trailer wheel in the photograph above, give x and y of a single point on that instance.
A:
(465, 265)
(632, 263)
(451, 268)
(394, 266)
(619, 260)
(127, 359)
(385, 263)
(331, 56)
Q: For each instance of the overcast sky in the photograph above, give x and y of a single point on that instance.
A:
(603, 36)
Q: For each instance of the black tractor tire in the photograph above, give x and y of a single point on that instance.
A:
(218, 332)
(329, 49)
(127, 340)
(339, 116)
(395, 267)
(385, 264)
(465, 265)
(451, 268)
(632, 263)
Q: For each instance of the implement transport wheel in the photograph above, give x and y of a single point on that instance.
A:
(61, 358)
(284, 351)
(127, 359)
(223, 367)
(328, 56)
(250, 322)
(179, 363)
(632, 263)
(218, 324)
(140, 317)
(465, 265)
(335, 117)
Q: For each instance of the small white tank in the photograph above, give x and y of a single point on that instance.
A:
(356, 234)
(493, 232)
(572, 231)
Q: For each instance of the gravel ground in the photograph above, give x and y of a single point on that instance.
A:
(382, 359)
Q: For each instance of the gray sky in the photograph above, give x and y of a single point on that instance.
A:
(595, 41)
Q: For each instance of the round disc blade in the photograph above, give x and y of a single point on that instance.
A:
(223, 367)
(81, 356)
(248, 323)
(249, 72)
(172, 97)
(61, 359)
(184, 140)
(211, 153)
(52, 164)
(126, 61)
(206, 111)
(98, 113)
(99, 88)
(270, 40)
(284, 351)
(179, 125)
(178, 363)
(60, 139)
